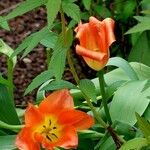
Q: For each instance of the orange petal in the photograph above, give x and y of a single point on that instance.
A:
(57, 101)
(32, 116)
(80, 120)
(95, 55)
(109, 31)
(69, 139)
(24, 140)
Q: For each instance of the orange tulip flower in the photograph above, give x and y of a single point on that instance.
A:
(53, 124)
(95, 38)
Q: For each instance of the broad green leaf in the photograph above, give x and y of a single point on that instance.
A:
(7, 142)
(144, 125)
(7, 110)
(134, 144)
(25, 7)
(105, 143)
(88, 88)
(117, 75)
(72, 10)
(123, 64)
(5, 49)
(140, 52)
(87, 4)
(61, 84)
(130, 98)
(53, 7)
(4, 23)
(40, 79)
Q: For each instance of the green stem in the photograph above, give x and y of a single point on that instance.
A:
(95, 113)
(48, 56)
(70, 62)
(10, 79)
(11, 127)
(104, 102)
(71, 65)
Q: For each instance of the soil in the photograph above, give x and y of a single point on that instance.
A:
(29, 67)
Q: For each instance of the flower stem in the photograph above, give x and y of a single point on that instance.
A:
(103, 93)
(71, 65)
(95, 113)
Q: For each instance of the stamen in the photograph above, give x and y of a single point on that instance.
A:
(44, 126)
(54, 127)
(48, 137)
(54, 135)
(50, 122)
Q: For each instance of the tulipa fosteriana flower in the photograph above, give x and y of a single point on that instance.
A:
(95, 38)
(53, 124)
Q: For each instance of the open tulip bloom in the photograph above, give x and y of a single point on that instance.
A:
(95, 38)
(53, 124)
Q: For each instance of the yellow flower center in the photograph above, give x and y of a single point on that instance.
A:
(50, 129)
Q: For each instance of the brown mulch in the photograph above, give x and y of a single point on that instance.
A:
(28, 68)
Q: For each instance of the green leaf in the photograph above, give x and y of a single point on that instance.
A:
(134, 144)
(58, 59)
(38, 36)
(102, 11)
(72, 10)
(147, 113)
(41, 93)
(7, 142)
(87, 4)
(88, 88)
(85, 134)
(130, 98)
(123, 64)
(53, 7)
(49, 40)
(129, 132)
(3, 81)
(5, 49)
(56, 85)
(4, 23)
(37, 81)
(25, 7)
(140, 27)
(7, 110)
(140, 52)
(144, 125)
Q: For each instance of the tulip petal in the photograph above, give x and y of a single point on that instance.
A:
(80, 120)
(32, 116)
(109, 27)
(56, 102)
(69, 139)
(24, 140)
(98, 56)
